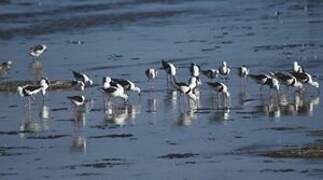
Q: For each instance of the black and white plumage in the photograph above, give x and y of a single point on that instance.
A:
(151, 73)
(273, 83)
(184, 88)
(169, 68)
(78, 85)
(297, 68)
(115, 90)
(194, 83)
(219, 88)
(210, 73)
(126, 84)
(243, 71)
(260, 79)
(77, 100)
(37, 50)
(82, 77)
(224, 70)
(265, 79)
(44, 83)
(195, 70)
(287, 79)
(306, 78)
(28, 90)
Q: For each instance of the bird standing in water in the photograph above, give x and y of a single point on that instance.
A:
(184, 89)
(82, 77)
(224, 70)
(170, 70)
(151, 74)
(220, 88)
(210, 73)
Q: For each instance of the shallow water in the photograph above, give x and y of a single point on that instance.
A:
(155, 137)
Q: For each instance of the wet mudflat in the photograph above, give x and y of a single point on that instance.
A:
(156, 135)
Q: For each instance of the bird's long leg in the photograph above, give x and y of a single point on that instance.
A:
(186, 107)
(29, 108)
(260, 90)
(125, 103)
(43, 98)
(32, 98)
(74, 113)
(104, 102)
(241, 82)
(188, 103)
(218, 99)
(287, 89)
(182, 108)
(167, 81)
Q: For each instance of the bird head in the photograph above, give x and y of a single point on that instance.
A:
(107, 79)
(137, 90)
(9, 63)
(89, 82)
(315, 84)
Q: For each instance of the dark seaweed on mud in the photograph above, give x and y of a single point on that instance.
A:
(103, 163)
(7, 150)
(111, 136)
(52, 136)
(178, 155)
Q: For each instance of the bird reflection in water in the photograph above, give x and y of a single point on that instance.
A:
(44, 115)
(171, 100)
(79, 115)
(299, 104)
(120, 116)
(220, 101)
(152, 104)
(185, 119)
(243, 98)
(305, 105)
(80, 112)
(220, 116)
(78, 143)
(29, 126)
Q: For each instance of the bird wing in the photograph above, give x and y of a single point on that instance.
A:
(216, 85)
(32, 88)
(302, 77)
(38, 47)
(147, 72)
(282, 76)
(78, 76)
(124, 83)
(165, 65)
(110, 90)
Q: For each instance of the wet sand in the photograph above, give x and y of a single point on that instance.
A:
(153, 136)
